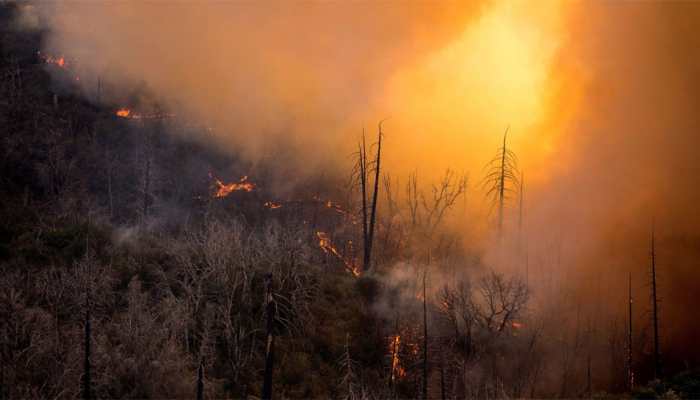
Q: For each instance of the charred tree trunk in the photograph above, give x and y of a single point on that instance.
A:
(502, 186)
(443, 394)
(200, 380)
(655, 311)
(373, 214)
(363, 188)
(369, 211)
(425, 341)
(269, 353)
(110, 194)
(87, 376)
(630, 373)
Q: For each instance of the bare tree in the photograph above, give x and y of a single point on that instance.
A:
(501, 181)
(87, 375)
(348, 369)
(200, 380)
(630, 372)
(655, 309)
(270, 342)
(363, 169)
(425, 339)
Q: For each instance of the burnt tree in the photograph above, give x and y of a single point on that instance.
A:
(200, 380)
(630, 373)
(501, 181)
(369, 207)
(270, 309)
(655, 310)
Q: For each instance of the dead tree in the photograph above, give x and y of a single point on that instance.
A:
(347, 366)
(269, 353)
(521, 200)
(369, 207)
(147, 155)
(425, 340)
(655, 310)
(630, 373)
(87, 376)
(501, 181)
(200, 380)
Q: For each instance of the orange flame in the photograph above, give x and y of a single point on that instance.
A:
(517, 325)
(397, 371)
(127, 113)
(57, 61)
(337, 208)
(324, 242)
(272, 205)
(224, 189)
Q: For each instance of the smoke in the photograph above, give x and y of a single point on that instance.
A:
(601, 98)
(625, 162)
(306, 75)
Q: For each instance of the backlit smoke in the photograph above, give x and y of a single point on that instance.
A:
(603, 114)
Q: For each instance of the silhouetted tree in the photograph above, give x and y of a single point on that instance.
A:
(270, 342)
(655, 310)
(501, 180)
(200, 380)
(87, 376)
(369, 208)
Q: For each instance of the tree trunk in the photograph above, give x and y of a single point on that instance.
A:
(630, 373)
(269, 354)
(655, 311)
(200, 380)
(373, 215)
(425, 341)
(87, 378)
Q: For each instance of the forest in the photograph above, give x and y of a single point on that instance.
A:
(141, 258)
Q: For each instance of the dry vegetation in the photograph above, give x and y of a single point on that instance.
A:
(128, 269)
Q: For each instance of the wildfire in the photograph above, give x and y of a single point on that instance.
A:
(331, 205)
(324, 242)
(129, 114)
(57, 61)
(517, 325)
(397, 371)
(224, 189)
(272, 205)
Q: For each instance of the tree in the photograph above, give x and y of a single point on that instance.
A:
(87, 377)
(200, 380)
(501, 181)
(270, 347)
(425, 340)
(630, 373)
(369, 208)
(655, 310)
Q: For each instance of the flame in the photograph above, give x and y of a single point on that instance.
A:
(331, 205)
(517, 325)
(324, 242)
(397, 371)
(57, 61)
(224, 189)
(272, 205)
(127, 113)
